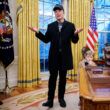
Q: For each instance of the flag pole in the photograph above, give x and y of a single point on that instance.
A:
(96, 44)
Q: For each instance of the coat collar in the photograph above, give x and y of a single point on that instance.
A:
(64, 25)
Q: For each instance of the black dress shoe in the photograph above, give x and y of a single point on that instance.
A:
(62, 102)
(48, 104)
(1, 102)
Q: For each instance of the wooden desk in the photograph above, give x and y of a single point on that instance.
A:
(93, 96)
(100, 62)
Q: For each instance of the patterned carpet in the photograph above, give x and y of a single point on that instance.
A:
(33, 100)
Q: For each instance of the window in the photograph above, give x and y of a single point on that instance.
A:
(46, 16)
(102, 8)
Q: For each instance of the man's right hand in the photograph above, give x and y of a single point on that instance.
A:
(34, 29)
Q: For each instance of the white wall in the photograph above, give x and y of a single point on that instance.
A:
(12, 70)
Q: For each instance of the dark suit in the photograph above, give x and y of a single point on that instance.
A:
(60, 54)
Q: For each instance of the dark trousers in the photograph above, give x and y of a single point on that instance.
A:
(61, 84)
(52, 81)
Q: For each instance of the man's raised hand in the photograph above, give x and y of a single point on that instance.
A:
(78, 31)
(34, 29)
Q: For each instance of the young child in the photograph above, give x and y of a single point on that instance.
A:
(87, 58)
(86, 61)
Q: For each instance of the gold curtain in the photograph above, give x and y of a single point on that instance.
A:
(79, 14)
(28, 45)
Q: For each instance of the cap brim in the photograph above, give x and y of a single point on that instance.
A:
(57, 8)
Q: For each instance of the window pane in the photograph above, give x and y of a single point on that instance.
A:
(57, 1)
(48, 1)
(99, 3)
(100, 14)
(107, 3)
(54, 18)
(100, 25)
(40, 7)
(103, 23)
(108, 37)
(107, 25)
(47, 20)
(48, 9)
(41, 21)
(107, 13)
(102, 41)
(44, 50)
(41, 0)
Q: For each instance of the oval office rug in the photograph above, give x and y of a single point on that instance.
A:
(33, 100)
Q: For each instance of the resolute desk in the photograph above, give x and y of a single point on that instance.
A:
(94, 88)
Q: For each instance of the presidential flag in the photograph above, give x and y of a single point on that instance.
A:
(6, 35)
(92, 35)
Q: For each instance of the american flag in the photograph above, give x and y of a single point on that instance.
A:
(92, 36)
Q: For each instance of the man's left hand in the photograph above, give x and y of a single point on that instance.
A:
(78, 30)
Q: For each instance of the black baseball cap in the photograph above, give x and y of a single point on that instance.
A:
(58, 7)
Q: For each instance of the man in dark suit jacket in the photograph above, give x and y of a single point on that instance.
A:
(60, 34)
